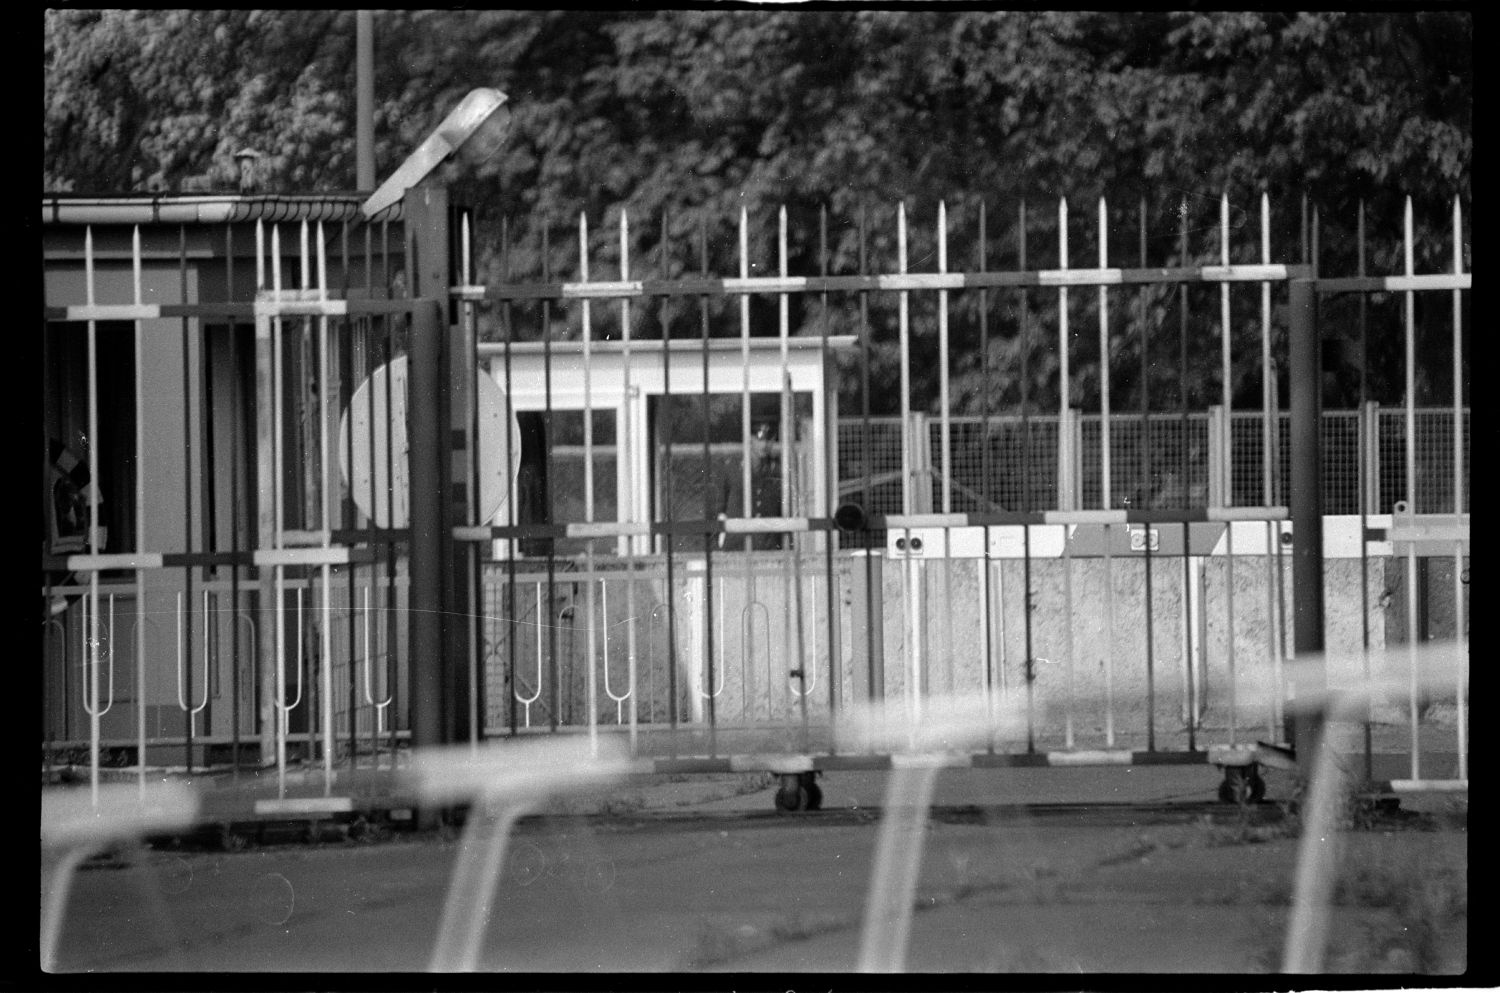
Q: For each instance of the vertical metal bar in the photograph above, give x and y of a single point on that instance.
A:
(278, 529)
(624, 431)
(1146, 500)
(1269, 420)
(1030, 659)
(477, 697)
(140, 525)
(1306, 498)
(392, 594)
(1226, 381)
(943, 398)
(789, 458)
(1107, 495)
(1460, 620)
(911, 588)
(49, 522)
(588, 482)
(988, 501)
(664, 419)
(945, 446)
(1025, 380)
(1064, 376)
(90, 636)
(554, 699)
(234, 504)
(364, 100)
(875, 663)
(1226, 488)
(708, 508)
(1104, 420)
(325, 521)
(830, 476)
(425, 431)
(1367, 452)
(512, 516)
(1066, 463)
(1186, 468)
(187, 466)
(1411, 486)
(746, 482)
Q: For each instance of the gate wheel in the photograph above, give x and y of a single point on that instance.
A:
(1242, 785)
(792, 794)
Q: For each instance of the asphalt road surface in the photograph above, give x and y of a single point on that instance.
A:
(1130, 888)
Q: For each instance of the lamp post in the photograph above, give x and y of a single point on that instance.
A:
(471, 133)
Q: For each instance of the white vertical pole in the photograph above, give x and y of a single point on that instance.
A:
(1064, 375)
(90, 633)
(1460, 619)
(1107, 489)
(746, 481)
(1104, 453)
(911, 577)
(1411, 487)
(1270, 419)
(280, 570)
(1226, 488)
(624, 442)
(945, 447)
(140, 528)
(1066, 463)
(943, 399)
(1225, 373)
(325, 453)
(588, 485)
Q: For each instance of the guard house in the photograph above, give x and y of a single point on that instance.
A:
(150, 420)
(771, 416)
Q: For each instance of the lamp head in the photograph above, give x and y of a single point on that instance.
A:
(473, 131)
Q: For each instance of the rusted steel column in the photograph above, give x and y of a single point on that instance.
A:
(1310, 678)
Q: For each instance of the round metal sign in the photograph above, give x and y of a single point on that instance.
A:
(379, 480)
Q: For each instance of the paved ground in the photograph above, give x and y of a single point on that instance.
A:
(699, 873)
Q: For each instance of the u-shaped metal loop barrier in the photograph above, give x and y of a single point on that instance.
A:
(90, 648)
(192, 710)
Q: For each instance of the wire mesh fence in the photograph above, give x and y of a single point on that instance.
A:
(1162, 461)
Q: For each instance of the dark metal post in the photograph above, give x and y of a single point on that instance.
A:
(364, 100)
(1310, 670)
(427, 233)
(424, 466)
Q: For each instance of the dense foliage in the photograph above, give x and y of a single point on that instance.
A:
(686, 117)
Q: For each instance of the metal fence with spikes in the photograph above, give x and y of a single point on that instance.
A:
(735, 504)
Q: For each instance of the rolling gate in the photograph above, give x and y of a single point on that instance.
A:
(614, 560)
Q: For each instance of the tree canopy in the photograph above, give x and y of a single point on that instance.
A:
(693, 115)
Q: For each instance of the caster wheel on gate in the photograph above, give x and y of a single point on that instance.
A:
(792, 794)
(1257, 787)
(1236, 787)
(814, 797)
(794, 798)
(231, 840)
(1242, 785)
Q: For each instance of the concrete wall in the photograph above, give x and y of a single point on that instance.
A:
(931, 620)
